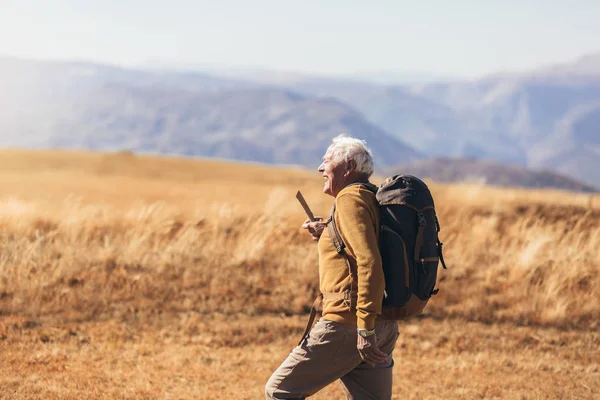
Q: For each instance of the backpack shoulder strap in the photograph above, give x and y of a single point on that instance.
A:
(332, 229)
(334, 234)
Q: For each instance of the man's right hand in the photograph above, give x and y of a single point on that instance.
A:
(315, 228)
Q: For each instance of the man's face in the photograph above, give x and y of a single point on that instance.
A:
(333, 173)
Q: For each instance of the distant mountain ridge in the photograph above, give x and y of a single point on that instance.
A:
(268, 125)
(488, 172)
(110, 108)
(543, 119)
(511, 118)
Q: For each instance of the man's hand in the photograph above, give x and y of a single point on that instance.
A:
(315, 228)
(369, 351)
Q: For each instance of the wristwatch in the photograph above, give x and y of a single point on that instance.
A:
(365, 332)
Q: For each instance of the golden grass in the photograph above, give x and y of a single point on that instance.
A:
(124, 276)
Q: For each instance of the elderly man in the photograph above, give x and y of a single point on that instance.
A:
(350, 342)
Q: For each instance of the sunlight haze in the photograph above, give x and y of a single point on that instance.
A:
(436, 38)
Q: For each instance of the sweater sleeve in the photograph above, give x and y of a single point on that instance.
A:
(356, 222)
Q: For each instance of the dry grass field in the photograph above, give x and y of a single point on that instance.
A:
(133, 277)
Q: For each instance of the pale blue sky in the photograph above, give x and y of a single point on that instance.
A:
(464, 38)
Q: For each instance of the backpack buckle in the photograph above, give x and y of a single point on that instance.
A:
(348, 299)
(422, 220)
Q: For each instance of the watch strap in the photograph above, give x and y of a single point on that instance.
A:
(365, 332)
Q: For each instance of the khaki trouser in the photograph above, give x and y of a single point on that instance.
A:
(329, 353)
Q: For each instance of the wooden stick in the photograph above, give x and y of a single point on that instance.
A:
(305, 206)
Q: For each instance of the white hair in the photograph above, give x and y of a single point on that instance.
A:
(345, 148)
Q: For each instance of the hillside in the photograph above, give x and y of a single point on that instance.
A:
(531, 111)
(541, 119)
(508, 118)
(139, 277)
(34, 94)
(423, 122)
(266, 125)
(89, 106)
(488, 172)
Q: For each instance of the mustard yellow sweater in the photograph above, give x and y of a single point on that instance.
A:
(357, 218)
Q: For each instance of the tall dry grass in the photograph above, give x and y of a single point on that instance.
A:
(517, 259)
(182, 254)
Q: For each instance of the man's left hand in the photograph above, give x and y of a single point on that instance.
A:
(369, 351)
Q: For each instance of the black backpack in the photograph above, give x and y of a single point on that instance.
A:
(408, 242)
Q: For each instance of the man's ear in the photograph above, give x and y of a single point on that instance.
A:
(350, 165)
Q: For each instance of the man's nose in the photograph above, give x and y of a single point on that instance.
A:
(321, 169)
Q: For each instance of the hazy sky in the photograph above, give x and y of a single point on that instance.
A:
(442, 37)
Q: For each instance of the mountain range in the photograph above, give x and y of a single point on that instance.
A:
(487, 172)
(263, 124)
(546, 119)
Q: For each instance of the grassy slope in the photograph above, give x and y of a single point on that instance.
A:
(142, 277)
